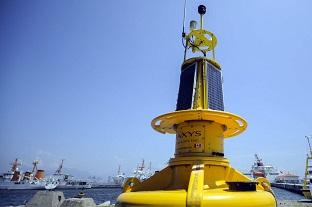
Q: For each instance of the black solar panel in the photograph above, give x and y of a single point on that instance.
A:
(186, 88)
(215, 95)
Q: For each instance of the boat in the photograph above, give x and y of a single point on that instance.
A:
(17, 180)
(67, 181)
(287, 178)
(259, 169)
(119, 179)
(307, 181)
(141, 173)
(116, 181)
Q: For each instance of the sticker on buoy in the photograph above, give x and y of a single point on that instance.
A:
(190, 139)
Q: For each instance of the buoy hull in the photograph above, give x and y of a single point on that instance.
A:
(219, 197)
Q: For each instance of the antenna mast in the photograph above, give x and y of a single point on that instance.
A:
(184, 15)
(308, 138)
(59, 169)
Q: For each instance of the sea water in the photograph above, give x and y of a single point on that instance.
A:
(100, 195)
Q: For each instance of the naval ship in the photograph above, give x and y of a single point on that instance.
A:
(67, 181)
(15, 179)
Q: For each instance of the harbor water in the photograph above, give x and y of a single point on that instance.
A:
(20, 197)
(100, 195)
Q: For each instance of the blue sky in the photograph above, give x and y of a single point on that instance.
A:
(82, 80)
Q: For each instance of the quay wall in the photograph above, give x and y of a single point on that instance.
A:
(296, 188)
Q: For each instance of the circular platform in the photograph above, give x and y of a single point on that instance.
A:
(166, 123)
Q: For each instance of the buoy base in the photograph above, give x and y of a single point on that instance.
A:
(204, 181)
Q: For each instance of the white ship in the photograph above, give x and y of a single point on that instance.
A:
(120, 178)
(67, 181)
(17, 180)
(113, 182)
(258, 169)
(141, 173)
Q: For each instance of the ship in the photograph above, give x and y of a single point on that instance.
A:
(259, 169)
(307, 181)
(120, 178)
(140, 172)
(17, 180)
(116, 181)
(287, 178)
(67, 181)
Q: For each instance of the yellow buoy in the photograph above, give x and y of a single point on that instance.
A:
(199, 175)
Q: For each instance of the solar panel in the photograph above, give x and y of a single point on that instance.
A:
(215, 94)
(186, 88)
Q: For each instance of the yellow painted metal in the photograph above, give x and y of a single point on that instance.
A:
(196, 186)
(210, 198)
(168, 198)
(201, 40)
(197, 59)
(233, 124)
(199, 138)
(196, 182)
(198, 175)
(201, 95)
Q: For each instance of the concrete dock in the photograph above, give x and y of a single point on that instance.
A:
(293, 203)
(295, 188)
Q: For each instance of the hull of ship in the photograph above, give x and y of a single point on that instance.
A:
(73, 187)
(21, 186)
(107, 186)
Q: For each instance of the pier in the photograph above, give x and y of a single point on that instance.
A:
(296, 188)
(291, 203)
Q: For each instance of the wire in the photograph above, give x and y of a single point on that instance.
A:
(183, 30)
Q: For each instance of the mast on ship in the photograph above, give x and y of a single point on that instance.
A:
(59, 169)
(36, 173)
(119, 170)
(258, 160)
(35, 167)
(15, 173)
(142, 166)
(15, 165)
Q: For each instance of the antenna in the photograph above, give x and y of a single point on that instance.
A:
(308, 138)
(184, 15)
(59, 169)
(183, 31)
(199, 40)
